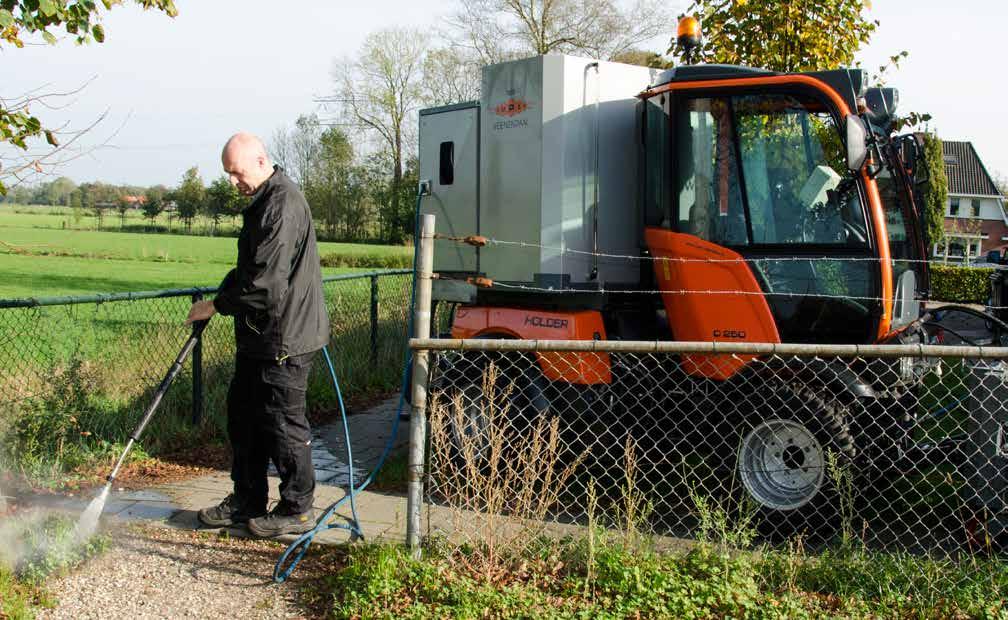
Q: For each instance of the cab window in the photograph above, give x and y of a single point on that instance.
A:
(710, 203)
(764, 170)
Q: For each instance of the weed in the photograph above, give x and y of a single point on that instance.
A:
(842, 478)
(18, 599)
(49, 546)
(263, 604)
(727, 524)
(500, 481)
(35, 547)
(592, 511)
(394, 473)
(634, 508)
(548, 581)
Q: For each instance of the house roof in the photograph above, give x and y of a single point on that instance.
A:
(966, 173)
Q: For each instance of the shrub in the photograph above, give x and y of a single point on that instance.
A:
(375, 260)
(960, 284)
(935, 190)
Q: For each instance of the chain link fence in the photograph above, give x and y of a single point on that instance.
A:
(76, 372)
(897, 449)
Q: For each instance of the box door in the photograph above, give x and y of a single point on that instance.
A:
(449, 157)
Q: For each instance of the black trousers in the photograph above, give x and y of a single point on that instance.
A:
(266, 421)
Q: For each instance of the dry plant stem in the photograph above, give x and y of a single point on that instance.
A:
(499, 482)
(843, 480)
(592, 507)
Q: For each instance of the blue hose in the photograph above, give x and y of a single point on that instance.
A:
(292, 555)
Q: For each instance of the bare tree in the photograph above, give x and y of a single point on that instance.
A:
(498, 30)
(297, 149)
(304, 148)
(29, 155)
(381, 90)
(21, 21)
(451, 75)
(279, 147)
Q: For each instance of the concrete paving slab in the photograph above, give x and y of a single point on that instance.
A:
(114, 506)
(175, 504)
(145, 495)
(148, 512)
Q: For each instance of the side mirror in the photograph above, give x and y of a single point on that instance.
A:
(909, 154)
(857, 143)
(905, 306)
(920, 171)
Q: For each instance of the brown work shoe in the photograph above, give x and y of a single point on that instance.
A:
(233, 510)
(282, 520)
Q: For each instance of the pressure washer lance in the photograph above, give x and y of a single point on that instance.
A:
(89, 519)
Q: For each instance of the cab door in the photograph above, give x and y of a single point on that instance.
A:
(760, 176)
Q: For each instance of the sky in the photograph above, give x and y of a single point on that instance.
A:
(173, 90)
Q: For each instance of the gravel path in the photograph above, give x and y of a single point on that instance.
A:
(158, 572)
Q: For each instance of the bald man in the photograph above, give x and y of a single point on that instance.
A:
(275, 296)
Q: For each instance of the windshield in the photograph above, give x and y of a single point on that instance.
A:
(766, 176)
(792, 178)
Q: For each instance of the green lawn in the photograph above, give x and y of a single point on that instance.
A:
(158, 247)
(73, 377)
(55, 276)
(37, 262)
(41, 216)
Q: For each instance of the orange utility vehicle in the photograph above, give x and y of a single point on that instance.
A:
(721, 203)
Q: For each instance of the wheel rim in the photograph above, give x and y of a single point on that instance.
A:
(471, 433)
(781, 464)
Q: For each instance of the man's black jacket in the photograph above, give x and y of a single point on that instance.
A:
(275, 292)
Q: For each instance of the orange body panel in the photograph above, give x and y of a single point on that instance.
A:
(528, 324)
(716, 316)
(875, 210)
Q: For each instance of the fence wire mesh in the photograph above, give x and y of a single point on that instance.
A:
(79, 371)
(898, 455)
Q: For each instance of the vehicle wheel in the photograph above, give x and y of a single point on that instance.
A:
(480, 427)
(783, 463)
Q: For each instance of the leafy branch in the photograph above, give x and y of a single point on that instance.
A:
(21, 19)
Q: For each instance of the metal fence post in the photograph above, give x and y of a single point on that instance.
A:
(197, 374)
(418, 387)
(374, 319)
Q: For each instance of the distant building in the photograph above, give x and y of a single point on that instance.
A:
(135, 202)
(975, 218)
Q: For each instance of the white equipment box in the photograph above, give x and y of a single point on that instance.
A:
(550, 137)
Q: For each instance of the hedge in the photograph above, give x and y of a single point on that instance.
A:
(369, 260)
(969, 285)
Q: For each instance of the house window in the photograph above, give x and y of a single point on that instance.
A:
(954, 207)
(951, 159)
(964, 249)
(975, 208)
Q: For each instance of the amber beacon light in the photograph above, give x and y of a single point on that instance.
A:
(688, 36)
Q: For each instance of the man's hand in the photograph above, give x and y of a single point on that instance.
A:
(201, 311)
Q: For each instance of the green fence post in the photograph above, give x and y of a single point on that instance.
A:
(374, 319)
(197, 374)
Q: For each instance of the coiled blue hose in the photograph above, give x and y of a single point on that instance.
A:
(292, 555)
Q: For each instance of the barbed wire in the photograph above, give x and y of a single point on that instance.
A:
(604, 291)
(483, 282)
(481, 241)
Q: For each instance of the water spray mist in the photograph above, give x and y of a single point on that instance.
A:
(88, 522)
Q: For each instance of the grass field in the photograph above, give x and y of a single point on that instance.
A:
(40, 262)
(73, 377)
(42, 216)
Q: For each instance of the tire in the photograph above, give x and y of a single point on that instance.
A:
(519, 378)
(783, 463)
